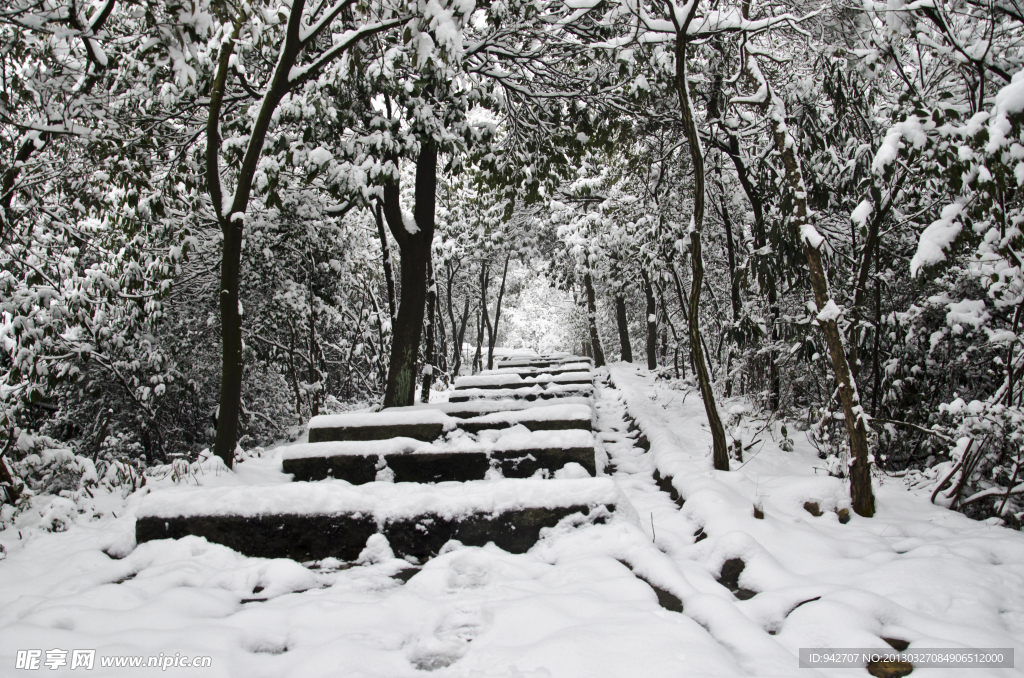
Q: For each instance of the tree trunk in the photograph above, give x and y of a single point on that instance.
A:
(492, 328)
(482, 321)
(415, 255)
(428, 368)
(878, 332)
(595, 339)
(721, 451)
(385, 250)
(625, 348)
(652, 323)
(460, 339)
(860, 468)
(314, 373)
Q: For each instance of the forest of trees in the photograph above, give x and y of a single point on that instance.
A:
(218, 219)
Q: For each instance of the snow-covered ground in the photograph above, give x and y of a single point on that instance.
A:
(580, 603)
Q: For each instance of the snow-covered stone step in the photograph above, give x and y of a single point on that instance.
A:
(534, 392)
(507, 380)
(333, 519)
(430, 423)
(474, 408)
(542, 362)
(536, 371)
(418, 423)
(543, 416)
(516, 453)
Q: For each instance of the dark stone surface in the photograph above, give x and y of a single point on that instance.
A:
(890, 669)
(343, 536)
(524, 463)
(425, 432)
(664, 484)
(356, 469)
(301, 538)
(812, 508)
(434, 468)
(730, 578)
(438, 467)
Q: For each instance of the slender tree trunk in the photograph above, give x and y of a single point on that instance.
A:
(734, 291)
(428, 368)
(595, 339)
(460, 338)
(415, 255)
(878, 335)
(652, 323)
(625, 348)
(314, 373)
(385, 250)
(482, 321)
(860, 468)
(492, 333)
(721, 451)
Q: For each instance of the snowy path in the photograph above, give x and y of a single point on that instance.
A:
(574, 605)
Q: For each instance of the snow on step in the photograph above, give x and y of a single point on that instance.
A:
(539, 417)
(561, 368)
(333, 519)
(419, 423)
(512, 380)
(430, 423)
(473, 408)
(542, 362)
(534, 392)
(516, 453)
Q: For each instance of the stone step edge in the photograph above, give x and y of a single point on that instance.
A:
(431, 467)
(312, 521)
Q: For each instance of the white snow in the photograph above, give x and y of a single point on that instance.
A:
(516, 437)
(810, 235)
(831, 312)
(512, 380)
(573, 606)
(384, 501)
(860, 215)
(939, 235)
(544, 412)
(549, 389)
(388, 417)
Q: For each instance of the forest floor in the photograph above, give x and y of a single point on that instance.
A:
(582, 602)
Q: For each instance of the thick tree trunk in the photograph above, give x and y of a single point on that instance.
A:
(625, 348)
(428, 368)
(595, 339)
(415, 254)
(652, 323)
(853, 413)
(720, 449)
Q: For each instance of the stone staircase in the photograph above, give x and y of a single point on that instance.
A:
(512, 452)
